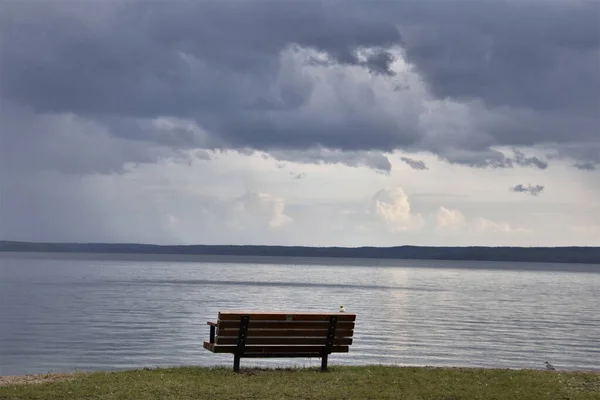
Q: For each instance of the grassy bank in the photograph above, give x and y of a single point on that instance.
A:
(373, 382)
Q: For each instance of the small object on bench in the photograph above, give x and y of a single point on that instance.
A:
(277, 334)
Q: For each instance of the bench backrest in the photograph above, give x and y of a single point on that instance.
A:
(289, 332)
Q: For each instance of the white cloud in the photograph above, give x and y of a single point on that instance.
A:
(448, 219)
(392, 208)
(199, 202)
(454, 221)
(488, 226)
(260, 210)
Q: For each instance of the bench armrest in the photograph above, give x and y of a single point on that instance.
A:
(213, 328)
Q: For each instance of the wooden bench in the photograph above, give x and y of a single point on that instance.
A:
(276, 334)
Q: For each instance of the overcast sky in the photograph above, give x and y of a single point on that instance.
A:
(454, 122)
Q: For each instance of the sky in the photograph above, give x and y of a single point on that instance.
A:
(301, 122)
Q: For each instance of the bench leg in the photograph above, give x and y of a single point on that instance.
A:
(324, 363)
(236, 363)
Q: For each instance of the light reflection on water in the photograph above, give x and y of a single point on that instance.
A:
(63, 313)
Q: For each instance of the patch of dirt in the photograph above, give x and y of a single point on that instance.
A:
(37, 378)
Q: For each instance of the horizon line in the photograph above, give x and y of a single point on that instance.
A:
(6, 241)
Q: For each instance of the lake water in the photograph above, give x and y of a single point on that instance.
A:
(109, 312)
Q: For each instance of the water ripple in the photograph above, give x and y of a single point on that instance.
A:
(92, 314)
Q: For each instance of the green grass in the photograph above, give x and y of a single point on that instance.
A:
(370, 382)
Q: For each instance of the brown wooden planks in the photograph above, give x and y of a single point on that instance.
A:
(286, 332)
(303, 341)
(273, 349)
(281, 316)
(285, 325)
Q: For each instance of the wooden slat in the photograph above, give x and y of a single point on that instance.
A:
(289, 349)
(286, 355)
(281, 316)
(285, 325)
(273, 349)
(286, 332)
(304, 341)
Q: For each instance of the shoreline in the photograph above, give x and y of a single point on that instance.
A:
(341, 382)
(53, 377)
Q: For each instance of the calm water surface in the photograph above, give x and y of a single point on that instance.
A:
(108, 312)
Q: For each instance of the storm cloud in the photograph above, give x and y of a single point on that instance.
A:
(106, 103)
(586, 166)
(280, 77)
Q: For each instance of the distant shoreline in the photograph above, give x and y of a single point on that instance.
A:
(573, 255)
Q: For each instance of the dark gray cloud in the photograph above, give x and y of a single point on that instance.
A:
(533, 190)
(511, 54)
(376, 62)
(587, 152)
(496, 159)
(71, 144)
(585, 166)
(150, 58)
(301, 175)
(373, 160)
(231, 77)
(419, 165)
(524, 161)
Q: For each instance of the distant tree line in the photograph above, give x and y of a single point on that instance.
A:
(581, 255)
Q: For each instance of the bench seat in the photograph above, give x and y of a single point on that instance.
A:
(278, 334)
